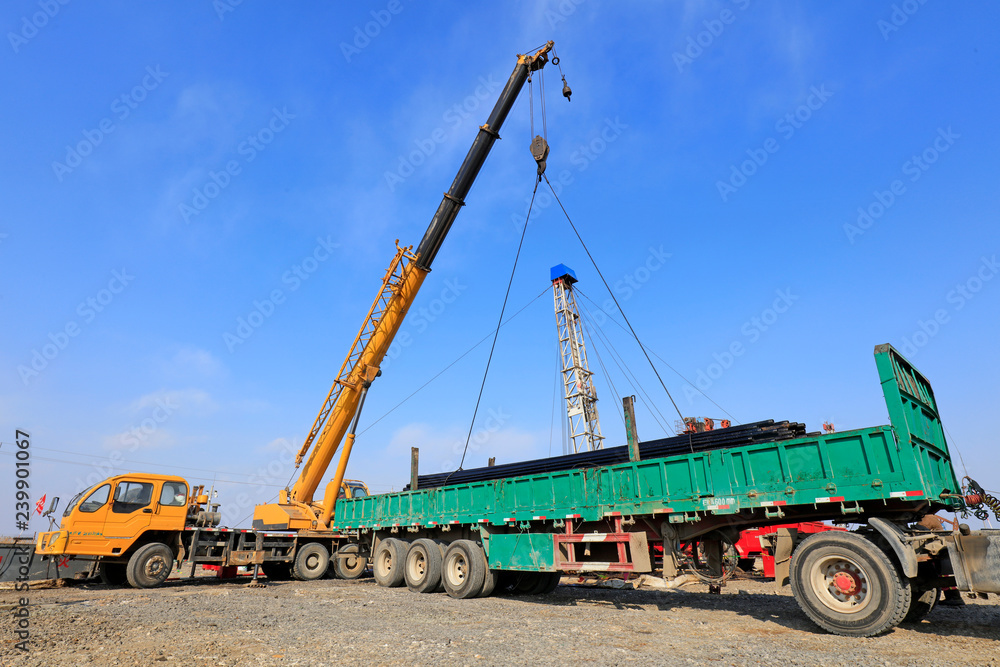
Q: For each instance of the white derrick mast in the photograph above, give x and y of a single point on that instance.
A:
(578, 386)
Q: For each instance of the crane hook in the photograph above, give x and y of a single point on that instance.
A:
(567, 91)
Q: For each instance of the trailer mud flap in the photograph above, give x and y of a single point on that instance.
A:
(975, 560)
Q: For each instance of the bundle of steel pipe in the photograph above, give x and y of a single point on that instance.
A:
(734, 436)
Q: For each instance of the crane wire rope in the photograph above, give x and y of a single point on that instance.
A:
(457, 359)
(496, 334)
(665, 363)
(555, 396)
(611, 383)
(441, 372)
(629, 374)
(608, 287)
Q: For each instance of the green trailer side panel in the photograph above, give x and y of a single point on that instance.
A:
(908, 460)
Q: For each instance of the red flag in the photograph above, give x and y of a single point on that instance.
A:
(40, 505)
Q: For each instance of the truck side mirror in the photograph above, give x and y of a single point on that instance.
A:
(52, 506)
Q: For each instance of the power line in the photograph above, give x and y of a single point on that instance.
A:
(161, 465)
(676, 372)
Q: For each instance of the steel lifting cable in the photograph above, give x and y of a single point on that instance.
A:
(614, 390)
(608, 287)
(496, 334)
(458, 359)
(653, 352)
(629, 374)
(600, 337)
(555, 397)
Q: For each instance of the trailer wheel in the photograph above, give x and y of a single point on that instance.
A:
(527, 583)
(490, 578)
(351, 567)
(923, 602)
(551, 582)
(387, 562)
(422, 567)
(847, 585)
(311, 562)
(276, 570)
(464, 569)
(112, 574)
(149, 566)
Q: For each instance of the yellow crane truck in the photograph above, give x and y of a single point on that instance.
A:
(137, 526)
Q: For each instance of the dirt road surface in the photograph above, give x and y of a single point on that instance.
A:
(333, 622)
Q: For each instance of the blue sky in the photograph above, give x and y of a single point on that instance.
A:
(170, 170)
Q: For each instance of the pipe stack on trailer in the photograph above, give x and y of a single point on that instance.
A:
(734, 436)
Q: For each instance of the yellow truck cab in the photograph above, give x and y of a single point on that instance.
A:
(106, 519)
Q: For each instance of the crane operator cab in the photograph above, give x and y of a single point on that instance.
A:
(352, 488)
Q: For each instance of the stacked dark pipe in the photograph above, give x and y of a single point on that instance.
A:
(734, 436)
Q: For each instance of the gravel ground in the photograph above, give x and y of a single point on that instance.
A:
(329, 622)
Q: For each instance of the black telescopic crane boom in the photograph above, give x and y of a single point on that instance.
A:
(454, 199)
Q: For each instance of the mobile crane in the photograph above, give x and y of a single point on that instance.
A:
(136, 526)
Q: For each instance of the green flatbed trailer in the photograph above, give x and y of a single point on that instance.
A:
(524, 532)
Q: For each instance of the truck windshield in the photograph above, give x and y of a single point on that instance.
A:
(73, 501)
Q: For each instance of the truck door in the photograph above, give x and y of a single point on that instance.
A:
(87, 532)
(170, 510)
(130, 514)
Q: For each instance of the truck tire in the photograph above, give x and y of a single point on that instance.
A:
(923, 602)
(351, 567)
(422, 567)
(464, 569)
(112, 574)
(276, 570)
(387, 563)
(149, 566)
(847, 585)
(550, 582)
(311, 562)
(489, 579)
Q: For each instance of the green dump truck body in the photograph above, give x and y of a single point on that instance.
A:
(883, 469)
